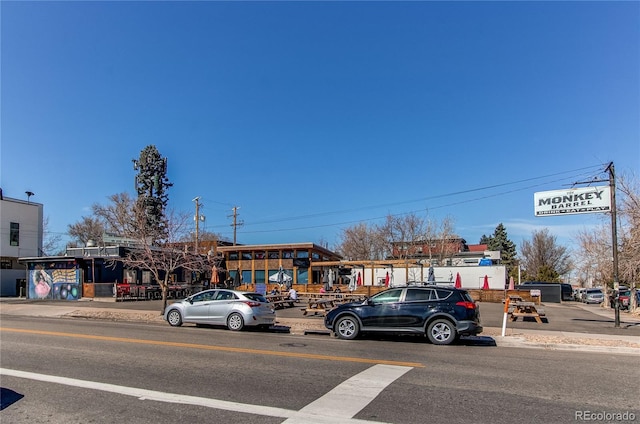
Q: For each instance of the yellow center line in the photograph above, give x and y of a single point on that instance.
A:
(217, 348)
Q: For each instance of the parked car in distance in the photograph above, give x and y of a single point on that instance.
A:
(593, 296)
(443, 314)
(624, 297)
(233, 309)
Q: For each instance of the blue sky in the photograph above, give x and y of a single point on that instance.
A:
(314, 116)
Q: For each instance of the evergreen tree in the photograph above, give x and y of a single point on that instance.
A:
(152, 187)
(499, 241)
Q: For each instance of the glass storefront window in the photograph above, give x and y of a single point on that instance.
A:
(302, 254)
(303, 276)
(246, 277)
(259, 277)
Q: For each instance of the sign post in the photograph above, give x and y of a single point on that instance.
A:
(586, 200)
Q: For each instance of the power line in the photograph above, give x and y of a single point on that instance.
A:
(592, 168)
(317, 215)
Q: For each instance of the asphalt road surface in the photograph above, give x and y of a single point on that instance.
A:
(76, 371)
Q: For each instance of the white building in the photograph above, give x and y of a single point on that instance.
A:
(21, 229)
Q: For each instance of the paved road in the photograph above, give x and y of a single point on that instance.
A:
(77, 371)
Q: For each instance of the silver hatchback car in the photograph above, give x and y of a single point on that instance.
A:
(231, 308)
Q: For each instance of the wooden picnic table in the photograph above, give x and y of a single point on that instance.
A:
(526, 309)
(319, 306)
(280, 301)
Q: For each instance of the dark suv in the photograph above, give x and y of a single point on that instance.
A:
(443, 314)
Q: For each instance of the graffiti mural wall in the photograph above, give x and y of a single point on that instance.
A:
(56, 284)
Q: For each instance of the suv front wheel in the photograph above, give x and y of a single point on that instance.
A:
(347, 327)
(441, 332)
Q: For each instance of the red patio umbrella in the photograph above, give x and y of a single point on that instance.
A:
(485, 286)
(386, 279)
(458, 281)
(511, 284)
(359, 279)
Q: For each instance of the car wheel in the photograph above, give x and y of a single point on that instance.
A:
(235, 322)
(174, 318)
(441, 332)
(347, 328)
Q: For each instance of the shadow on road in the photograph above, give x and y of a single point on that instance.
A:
(8, 397)
(609, 321)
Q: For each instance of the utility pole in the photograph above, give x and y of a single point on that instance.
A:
(614, 239)
(197, 218)
(614, 244)
(236, 223)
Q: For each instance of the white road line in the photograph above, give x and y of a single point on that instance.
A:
(337, 406)
(350, 397)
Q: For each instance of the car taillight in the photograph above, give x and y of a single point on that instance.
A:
(467, 305)
(252, 304)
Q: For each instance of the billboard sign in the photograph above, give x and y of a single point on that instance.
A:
(572, 201)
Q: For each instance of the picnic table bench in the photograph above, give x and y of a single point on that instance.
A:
(319, 306)
(280, 301)
(524, 310)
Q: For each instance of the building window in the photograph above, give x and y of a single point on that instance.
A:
(315, 256)
(247, 255)
(274, 255)
(233, 256)
(14, 235)
(246, 276)
(303, 276)
(287, 254)
(302, 254)
(259, 277)
(260, 255)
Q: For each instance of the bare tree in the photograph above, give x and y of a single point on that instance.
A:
(406, 231)
(361, 242)
(593, 259)
(595, 245)
(50, 240)
(629, 211)
(437, 237)
(543, 259)
(162, 259)
(117, 216)
(89, 228)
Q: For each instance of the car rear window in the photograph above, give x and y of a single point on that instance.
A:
(256, 297)
(443, 294)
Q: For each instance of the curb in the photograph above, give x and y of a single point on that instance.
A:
(315, 327)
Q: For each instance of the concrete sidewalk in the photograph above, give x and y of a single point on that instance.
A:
(313, 325)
